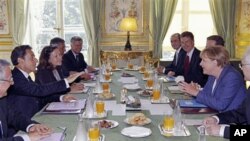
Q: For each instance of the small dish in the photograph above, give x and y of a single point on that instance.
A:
(109, 81)
(136, 131)
(132, 86)
(97, 91)
(183, 132)
(145, 93)
(145, 122)
(106, 124)
(106, 96)
(148, 88)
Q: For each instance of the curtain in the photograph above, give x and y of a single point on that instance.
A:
(223, 14)
(160, 19)
(20, 18)
(90, 11)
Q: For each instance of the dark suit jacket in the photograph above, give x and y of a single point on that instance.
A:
(11, 118)
(70, 64)
(177, 68)
(195, 72)
(229, 91)
(41, 79)
(238, 116)
(26, 95)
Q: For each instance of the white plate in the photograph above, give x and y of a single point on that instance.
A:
(117, 69)
(145, 79)
(136, 131)
(147, 121)
(145, 95)
(97, 92)
(109, 81)
(113, 123)
(132, 86)
(148, 88)
(134, 69)
(105, 98)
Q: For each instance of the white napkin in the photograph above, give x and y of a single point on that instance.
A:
(174, 88)
(128, 80)
(136, 131)
(179, 79)
(89, 84)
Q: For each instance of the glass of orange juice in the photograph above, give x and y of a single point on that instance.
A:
(168, 122)
(130, 66)
(99, 107)
(105, 87)
(142, 69)
(93, 133)
(146, 74)
(113, 66)
(150, 83)
(107, 76)
(156, 92)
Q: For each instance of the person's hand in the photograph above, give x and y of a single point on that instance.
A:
(91, 69)
(76, 87)
(40, 129)
(160, 69)
(86, 76)
(189, 88)
(74, 76)
(34, 136)
(210, 121)
(68, 98)
(213, 129)
(171, 73)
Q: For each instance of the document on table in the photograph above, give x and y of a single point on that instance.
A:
(53, 137)
(193, 121)
(57, 106)
(155, 109)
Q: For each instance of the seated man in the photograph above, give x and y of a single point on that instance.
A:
(10, 117)
(28, 96)
(176, 66)
(215, 40)
(73, 60)
(217, 125)
(192, 70)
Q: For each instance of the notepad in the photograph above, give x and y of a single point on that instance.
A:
(191, 103)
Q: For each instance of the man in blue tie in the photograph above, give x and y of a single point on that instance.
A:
(176, 66)
(10, 117)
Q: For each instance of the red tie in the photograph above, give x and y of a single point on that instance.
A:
(186, 65)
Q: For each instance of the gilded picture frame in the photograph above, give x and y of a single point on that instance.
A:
(4, 19)
(116, 10)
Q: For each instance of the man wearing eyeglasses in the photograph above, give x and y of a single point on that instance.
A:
(10, 117)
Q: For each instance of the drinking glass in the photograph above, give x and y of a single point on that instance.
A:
(93, 132)
(168, 122)
(156, 92)
(100, 105)
(105, 87)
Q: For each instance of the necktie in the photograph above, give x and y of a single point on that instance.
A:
(77, 58)
(29, 78)
(186, 65)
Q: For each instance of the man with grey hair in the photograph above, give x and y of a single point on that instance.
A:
(218, 125)
(10, 117)
(73, 60)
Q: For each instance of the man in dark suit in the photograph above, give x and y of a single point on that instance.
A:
(218, 125)
(176, 66)
(25, 94)
(73, 60)
(11, 118)
(192, 70)
(215, 40)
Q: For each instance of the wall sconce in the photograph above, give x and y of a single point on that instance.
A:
(128, 24)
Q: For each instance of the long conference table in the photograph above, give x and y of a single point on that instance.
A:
(70, 121)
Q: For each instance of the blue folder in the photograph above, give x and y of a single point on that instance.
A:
(191, 103)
